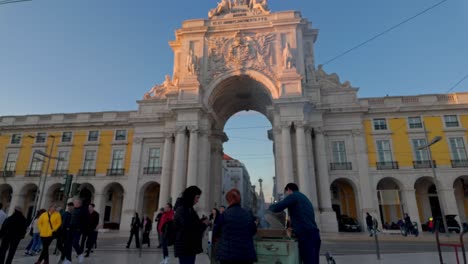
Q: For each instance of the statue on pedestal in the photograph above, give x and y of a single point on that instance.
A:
(262, 6)
(288, 58)
(223, 7)
(191, 63)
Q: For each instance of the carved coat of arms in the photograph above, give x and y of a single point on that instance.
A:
(242, 51)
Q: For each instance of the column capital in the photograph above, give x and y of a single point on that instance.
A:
(137, 140)
(357, 132)
(181, 130)
(285, 125)
(319, 131)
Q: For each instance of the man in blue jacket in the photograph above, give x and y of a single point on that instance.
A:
(303, 223)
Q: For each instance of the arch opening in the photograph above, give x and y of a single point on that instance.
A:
(390, 205)
(113, 200)
(344, 203)
(427, 198)
(150, 199)
(460, 187)
(6, 192)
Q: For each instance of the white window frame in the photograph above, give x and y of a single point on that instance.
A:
(113, 160)
(341, 152)
(379, 129)
(63, 134)
(385, 151)
(120, 140)
(150, 158)
(457, 119)
(62, 162)
(424, 153)
(455, 151)
(20, 138)
(410, 123)
(7, 165)
(98, 134)
(92, 162)
(37, 137)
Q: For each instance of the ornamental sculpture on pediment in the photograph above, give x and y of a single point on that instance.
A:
(288, 58)
(254, 7)
(330, 80)
(242, 51)
(160, 90)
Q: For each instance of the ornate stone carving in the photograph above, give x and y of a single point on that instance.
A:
(242, 51)
(330, 80)
(227, 7)
(160, 90)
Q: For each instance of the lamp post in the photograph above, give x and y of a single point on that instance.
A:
(41, 187)
(434, 174)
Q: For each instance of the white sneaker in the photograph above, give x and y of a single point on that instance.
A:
(80, 258)
(66, 261)
(165, 261)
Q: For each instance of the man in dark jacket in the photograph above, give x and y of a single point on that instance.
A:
(303, 223)
(93, 222)
(67, 235)
(78, 226)
(370, 225)
(13, 230)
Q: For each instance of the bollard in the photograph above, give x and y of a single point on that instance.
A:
(377, 247)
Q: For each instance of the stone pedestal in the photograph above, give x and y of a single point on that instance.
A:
(328, 222)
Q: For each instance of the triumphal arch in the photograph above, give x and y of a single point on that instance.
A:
(241, 57)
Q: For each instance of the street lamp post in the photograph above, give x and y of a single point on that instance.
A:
(42, 182)
(434, 174)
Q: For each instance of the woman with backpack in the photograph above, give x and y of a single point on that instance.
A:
(189, 227)
(163, 226)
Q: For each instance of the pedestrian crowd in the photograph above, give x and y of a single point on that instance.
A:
(72, 228)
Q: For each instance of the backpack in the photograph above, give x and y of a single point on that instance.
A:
(169, 232)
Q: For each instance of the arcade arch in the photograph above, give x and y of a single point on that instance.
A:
(344, 199)
(460, 187)
(6, 192)
(149, 197)
(86, 193)
(27, 199)
(54, 195)
(389, 198)
(113, 201)
(427, 198)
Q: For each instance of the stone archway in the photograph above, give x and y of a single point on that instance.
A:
(344, 199)
(86, 193)
(55, 195)
(390, 201)
(6, 192)
(149, 199)
(27, 199)
(427, 198)
(113, 200)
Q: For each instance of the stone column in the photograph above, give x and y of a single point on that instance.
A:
(365, 191)
(165, 186)
(280, 179)
(447, 201)
(411, 206)
(100, 207)
(301, 155)
(204, 204)
(131, 192)
(311, 169)
(287, 154)
(180, 165)
(193, 158)
(327, 215)
(216, 173)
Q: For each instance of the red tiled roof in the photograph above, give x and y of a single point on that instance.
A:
(227, 157)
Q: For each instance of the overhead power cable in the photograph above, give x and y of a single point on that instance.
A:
(384, 32)
(3, 2)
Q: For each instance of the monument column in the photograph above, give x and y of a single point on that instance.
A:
(302, 168)
(287, 155)
(193, 158)
(132, 197)
(180, 164)
(204, 173)
(165, 186)
(327, 215)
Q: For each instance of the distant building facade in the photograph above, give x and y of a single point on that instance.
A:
(236, 175)
(349, 155)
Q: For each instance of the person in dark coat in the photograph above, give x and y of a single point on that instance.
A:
(92, 232)
(135, 231)
(189, 227)
(303, 222)
(147, 226)
(78, 226)
(238, 227)
(370, 224)
(13, 230)
(67, 234)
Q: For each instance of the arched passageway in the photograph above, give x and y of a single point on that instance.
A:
(27, 198)
(390, 202)
(344, 199)
(461, 196)
(55, 195)
(86, 193)
(113, 200)
(427, 199)
(150, 199)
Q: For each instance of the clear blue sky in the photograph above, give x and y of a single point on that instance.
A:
(86, 55)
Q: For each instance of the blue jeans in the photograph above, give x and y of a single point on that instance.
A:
(309, 246)
(164, 246)
(36, 245)
(76, 242)
(187, 259)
